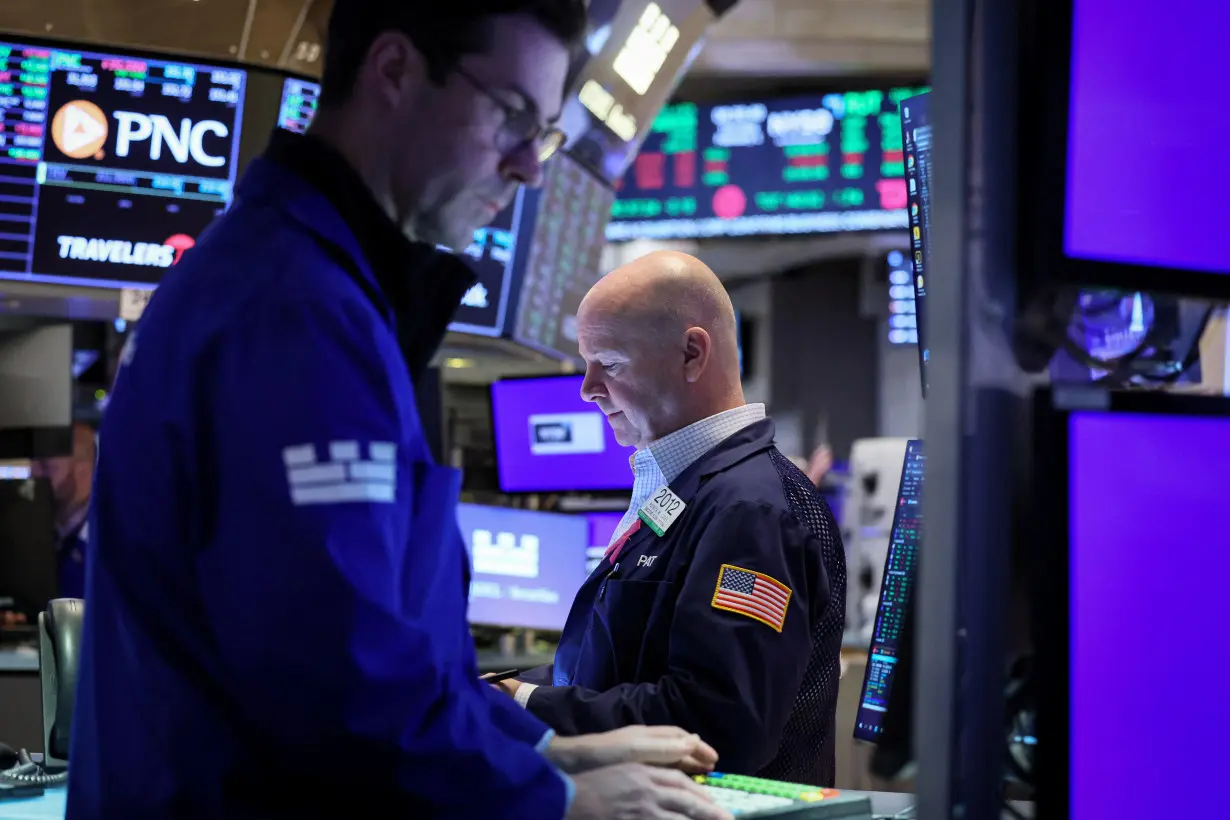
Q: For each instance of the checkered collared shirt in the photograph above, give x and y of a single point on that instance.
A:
(665, 460)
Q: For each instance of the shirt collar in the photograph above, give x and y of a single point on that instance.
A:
(675, 452)
(423, 286)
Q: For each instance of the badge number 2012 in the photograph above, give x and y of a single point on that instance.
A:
(661, 510)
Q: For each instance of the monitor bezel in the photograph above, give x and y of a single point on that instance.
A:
(556, 490)
(1044, 106)
(1047, 538)
(859, 733)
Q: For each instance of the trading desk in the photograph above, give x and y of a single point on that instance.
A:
(51, 805)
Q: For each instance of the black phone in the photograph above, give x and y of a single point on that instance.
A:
(60, 629)
(499, 676)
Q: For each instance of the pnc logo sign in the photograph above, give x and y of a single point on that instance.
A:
(79, 130)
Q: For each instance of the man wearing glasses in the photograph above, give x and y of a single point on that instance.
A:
(277, 585)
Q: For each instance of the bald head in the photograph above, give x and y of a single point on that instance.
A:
(660, 346)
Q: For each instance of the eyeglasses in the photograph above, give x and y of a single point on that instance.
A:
(521, 124)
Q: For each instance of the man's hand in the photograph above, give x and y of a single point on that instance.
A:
(633, 790)
(656, 745)
(508, 687)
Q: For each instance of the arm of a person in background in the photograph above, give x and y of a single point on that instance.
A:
(305, 584)
(727, 671)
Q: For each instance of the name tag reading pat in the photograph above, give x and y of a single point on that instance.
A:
(661, 510)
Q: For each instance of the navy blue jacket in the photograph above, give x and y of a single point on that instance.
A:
(648, 640)
(276, 581)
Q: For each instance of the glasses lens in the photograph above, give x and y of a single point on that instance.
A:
(549, 143)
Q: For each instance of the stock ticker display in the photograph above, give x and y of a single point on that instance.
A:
(110, 165)
(299, 101)
(565, 256)
(803, 165)
(900, 565)
(916, 137)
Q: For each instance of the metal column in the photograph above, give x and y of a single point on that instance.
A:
(971, 412)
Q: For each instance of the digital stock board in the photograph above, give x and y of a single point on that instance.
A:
(110, 164)
(821, 164)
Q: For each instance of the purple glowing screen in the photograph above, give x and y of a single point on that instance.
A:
(1148, 564)
(1148, 118)
(549, 439)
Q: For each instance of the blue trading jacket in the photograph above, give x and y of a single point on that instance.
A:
(728, 625)
(276, 582)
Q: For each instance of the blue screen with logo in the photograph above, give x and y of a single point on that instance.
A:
(110, 165)
(527, 565)
(549, 439)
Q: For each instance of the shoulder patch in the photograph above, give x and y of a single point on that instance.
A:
(752, 594)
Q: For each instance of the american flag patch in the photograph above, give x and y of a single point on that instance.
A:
(753, 594)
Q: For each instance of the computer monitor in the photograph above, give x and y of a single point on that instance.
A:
(1114, 184)
(885, 714)
(549, 439)
(916, 137)
(602, 526)
(29, 574)
(527, 565)
(1129, 532)
(114, 161)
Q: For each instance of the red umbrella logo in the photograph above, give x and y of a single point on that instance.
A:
(180, 242)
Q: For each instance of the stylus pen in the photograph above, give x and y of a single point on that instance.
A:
(499, 676)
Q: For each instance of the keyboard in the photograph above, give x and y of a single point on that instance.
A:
(755, 797)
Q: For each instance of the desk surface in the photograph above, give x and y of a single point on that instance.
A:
(19, 660)
(51, 805)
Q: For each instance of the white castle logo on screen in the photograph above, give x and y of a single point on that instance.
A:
(558, 434)
(80, 130)
(121, 252)
(503, 554)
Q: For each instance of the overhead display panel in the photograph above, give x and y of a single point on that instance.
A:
(636, 53)
(790, 166)
(564, 259)
(111, 164)
(491, 255)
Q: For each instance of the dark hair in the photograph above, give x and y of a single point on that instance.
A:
(443, 30)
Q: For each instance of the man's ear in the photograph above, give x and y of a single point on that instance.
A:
(697, 349)
(397, 66)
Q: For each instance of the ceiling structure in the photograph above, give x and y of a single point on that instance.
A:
(757, 38)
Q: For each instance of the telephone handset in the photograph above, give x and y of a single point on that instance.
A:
(60, 629)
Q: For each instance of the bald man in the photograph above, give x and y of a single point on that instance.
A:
(720, 604)
(71, 479)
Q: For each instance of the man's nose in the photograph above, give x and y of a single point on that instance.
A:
(591, 387)
(523, 166)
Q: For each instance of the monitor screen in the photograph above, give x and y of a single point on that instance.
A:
(602, 526)
(787, 166)
(113, 164)
(900, 564)
(527, 565)
(635, 53)
(564, 258)
(1143, 134)
(491, 255)
(299, 101)
(549, 439)
(1147, 545)
(916, 136)
(902, 310)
